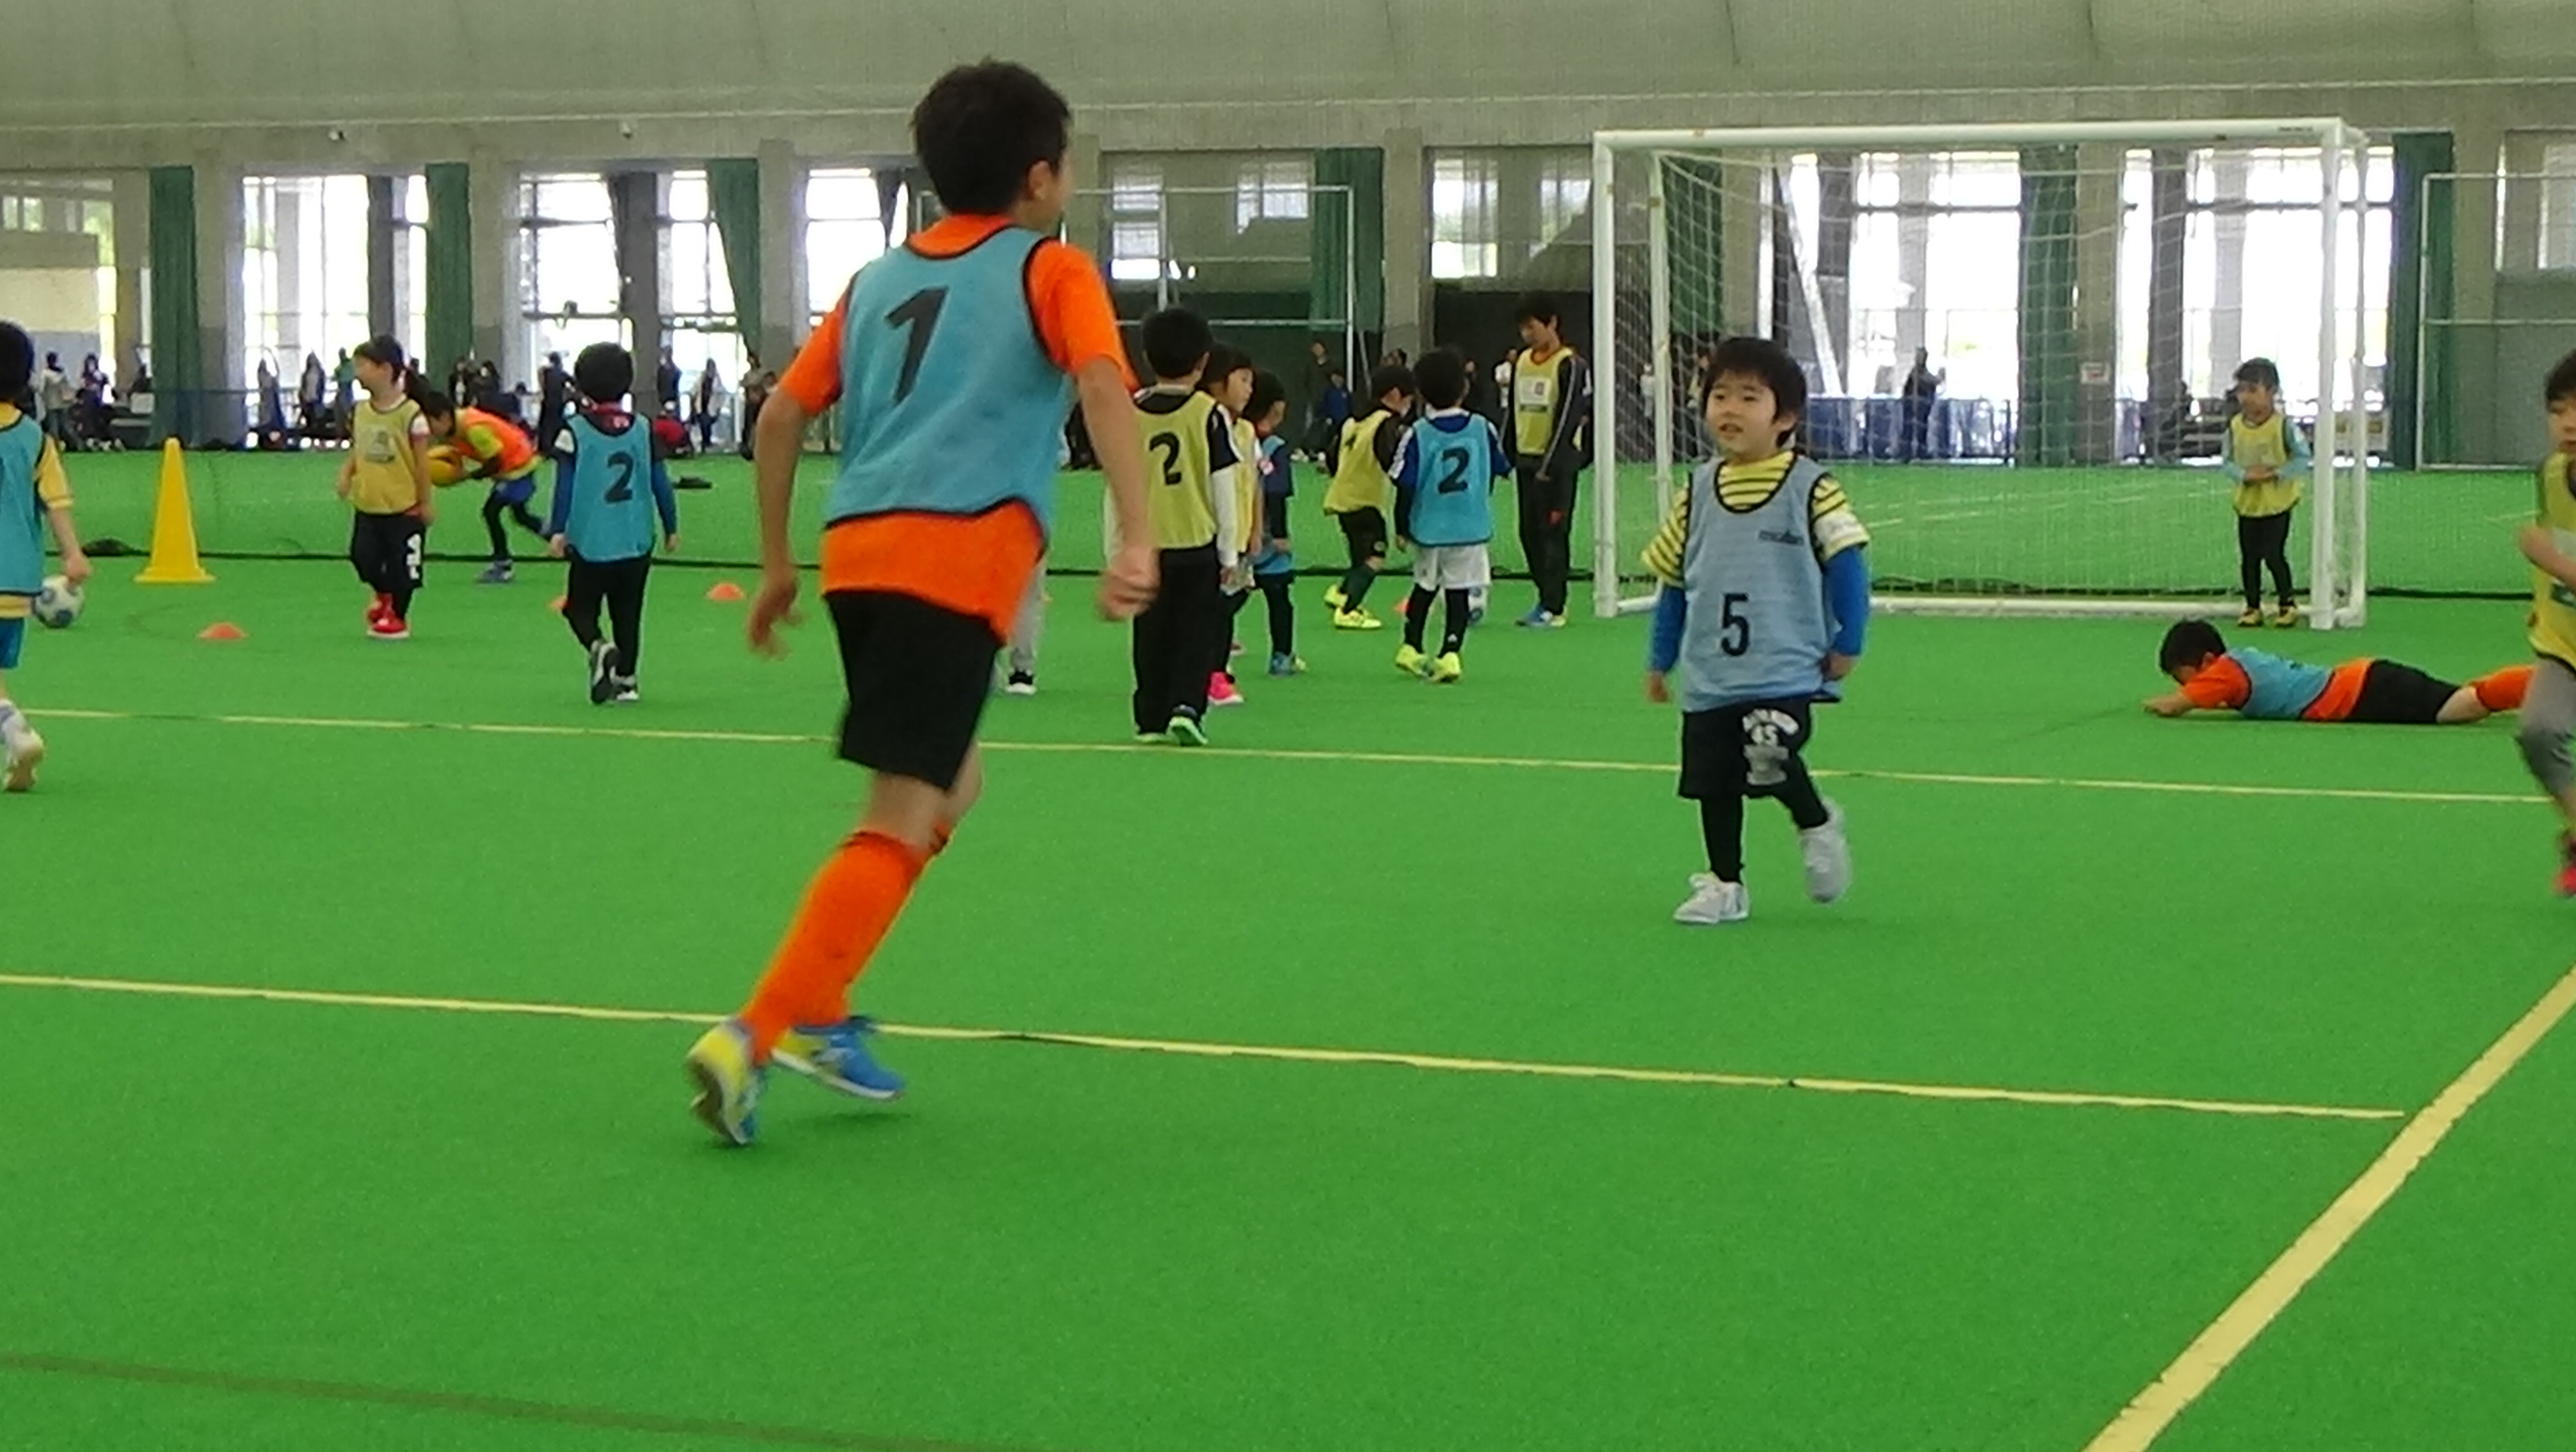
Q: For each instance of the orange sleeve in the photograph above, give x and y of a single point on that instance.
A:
(814, 379)
(2222, 687)
(1073, 312)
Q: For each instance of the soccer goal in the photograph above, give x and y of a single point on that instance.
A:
(2020, 344)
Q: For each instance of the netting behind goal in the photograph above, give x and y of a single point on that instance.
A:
(2019, 344)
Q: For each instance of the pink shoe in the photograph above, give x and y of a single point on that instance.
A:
(1221, 692)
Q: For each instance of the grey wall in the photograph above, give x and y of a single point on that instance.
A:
(133, 82)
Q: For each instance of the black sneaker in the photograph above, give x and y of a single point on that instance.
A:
(603, 673)
(1021, 683)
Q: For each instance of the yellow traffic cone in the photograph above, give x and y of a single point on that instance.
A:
(174, 528)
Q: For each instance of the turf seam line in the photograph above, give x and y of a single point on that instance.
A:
(1367, 758)
(2200, 1364)
(1446, 1063)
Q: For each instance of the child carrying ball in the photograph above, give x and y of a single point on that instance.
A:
(480, 445)
(34, 497)
(1764, 604)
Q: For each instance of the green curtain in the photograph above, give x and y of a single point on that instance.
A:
(1350, 237)
(733, 194)
(2052, 369)
(2419, 291)
(448, 277)
(178, 345)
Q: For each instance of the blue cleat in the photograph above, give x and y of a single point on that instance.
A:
(836, 1056)
(729, 1082)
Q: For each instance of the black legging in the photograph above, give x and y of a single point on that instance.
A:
(1283, 613)
(2264, 541)
(1547, 532)
(620, 585)
(494, 508)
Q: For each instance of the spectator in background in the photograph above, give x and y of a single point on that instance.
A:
(1484, 399)
(1921, 390)
(461, 381)
(488, 394)
(1332, 411)
(666, 385)
(272, 405)
(710, 393)
(344, 391)
(554, 392)
(54, 401)
(89, 405)
(757, 382)
(312, 393)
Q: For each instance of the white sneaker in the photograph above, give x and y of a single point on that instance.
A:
(1713, 902)
(25, 755)
(1829, 869)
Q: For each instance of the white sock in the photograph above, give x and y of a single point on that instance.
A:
(14, 729)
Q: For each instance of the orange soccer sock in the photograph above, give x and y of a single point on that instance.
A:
(2503, 690)
(848, 909)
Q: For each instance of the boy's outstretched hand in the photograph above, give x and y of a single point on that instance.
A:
(2168, 705)
(1128, 585)
(773, 605)
(1658, 690)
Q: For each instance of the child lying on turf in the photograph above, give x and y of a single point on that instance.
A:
(2268, 688)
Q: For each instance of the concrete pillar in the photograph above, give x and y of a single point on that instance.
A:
(1086, 218)
(1914, 257)
(2227, 306)
(222, 412)
(2168, 217)
(1837, 210)
(638, 212)
(1518, 230)
(2098, 168)
(2525, 156)
(2479, 148)
(1408, 242)
(1740, 228)
(493, 213)
(133, 208)
(785, 288)
(288, 220)
(384, 300)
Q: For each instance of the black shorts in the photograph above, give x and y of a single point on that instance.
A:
(1366, 531)
(2400, 695)
(385, 550)
(918, 677)
(1742, 750)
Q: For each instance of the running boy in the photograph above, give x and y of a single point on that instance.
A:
(488, 446)
(602, 523)
(385, 478)
(948, 358)
(2267, 456)
(2549, 712)
(1550, 391)
(2264, 687)
(1444, 511)
(1190, 449)
(1362, 493)
(1764, 604)
(1274, 564)
(34, 496)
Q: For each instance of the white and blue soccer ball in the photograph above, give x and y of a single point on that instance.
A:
(58, 604)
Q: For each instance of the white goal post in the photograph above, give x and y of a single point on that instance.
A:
(1751, 206)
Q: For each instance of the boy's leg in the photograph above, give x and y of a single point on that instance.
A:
(585, 588)
(1149, 651)
(2277, 554)
(1721, 829)
(403, 571)
(1560, 544)
(366, 553)
(1417, 612)
(1199, 628)
(21, 749)
(1533, 498)
(2548, 721)
(1276, 591)
(493, 508)
(1028, 629)
(1453, 636)
(627, 580)
(2249, 561)
(1366, 536)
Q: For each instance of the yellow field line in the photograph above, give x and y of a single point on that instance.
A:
(1369, 758)
(2210, 1353)
(1437, 1062)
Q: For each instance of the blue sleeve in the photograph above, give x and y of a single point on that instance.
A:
(1402, 470)
(667, 500)
(1847, 591)
(1672, 613)
(2302, 456)
(1281, 480)
(1502, 455)
(559, 514)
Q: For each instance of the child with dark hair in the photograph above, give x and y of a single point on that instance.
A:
(385, 478)
(2265, 687)
(1548, 389)
(1361, 497)
(1274, 562)
(1227, 379)
(1763, 610)
(1189, 459)
(35, 498)
(478, 444)
(1444, 512)
(2549, 543)
(2266, 454)
(610, 482)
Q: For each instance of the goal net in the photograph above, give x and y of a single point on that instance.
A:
(2020, 344)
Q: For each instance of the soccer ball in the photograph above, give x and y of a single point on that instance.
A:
(446, 467)
(58, 604)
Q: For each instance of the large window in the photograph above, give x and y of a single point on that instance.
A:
(303, 272)
(1464, 242)
(1273, 189)
(2254, 256)
(699, 323)
(569, 280)
(848, 224)
(2558, 205)
(1138, 250)
(1936, 264)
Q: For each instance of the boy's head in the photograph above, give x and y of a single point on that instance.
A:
(17, 362)
(2559, 393)
(1392, 385)
(604, 372)
(1536, 317)
(1268, 406)
(1442, 377)
(1228, 378)
(994, 138)
(1755, 395)
(1177, 345)
(439, 412)
(2188, 649)
(2258, 386)
(379, 362)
